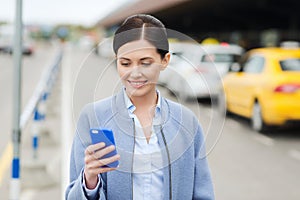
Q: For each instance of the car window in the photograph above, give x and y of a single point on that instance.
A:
(254, 64)
(175, 57)
(220, 58)
(290, 65)
(178, 60)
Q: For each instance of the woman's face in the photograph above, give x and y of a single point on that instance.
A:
(139, 66)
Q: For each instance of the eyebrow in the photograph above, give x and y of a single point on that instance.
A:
(124, 58)
(144, 58)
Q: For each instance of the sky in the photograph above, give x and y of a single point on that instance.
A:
(84, 12)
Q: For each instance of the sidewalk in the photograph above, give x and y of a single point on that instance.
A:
(47, 177)
(49, 180)
(41, 177)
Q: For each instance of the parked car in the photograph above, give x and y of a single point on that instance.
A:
(196, 70)
(265, 87)
(7, 40)
(27, 49)
(177, 50)
(105, 48)
(3, 43)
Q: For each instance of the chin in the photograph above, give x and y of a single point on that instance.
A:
(134, 92)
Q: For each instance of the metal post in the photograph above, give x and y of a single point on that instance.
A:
(42, 108)
(38, 118)
(16, 135)
(35, 133)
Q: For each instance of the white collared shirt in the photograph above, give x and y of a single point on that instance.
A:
(147, 175)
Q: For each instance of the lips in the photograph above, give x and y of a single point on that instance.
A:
(137, 84)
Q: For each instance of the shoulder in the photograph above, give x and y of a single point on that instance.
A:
(181, 114)
(96, 110)
(99, 105)
(104, 104)
(176, 109)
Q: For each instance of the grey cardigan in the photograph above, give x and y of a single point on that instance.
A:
(186, 173)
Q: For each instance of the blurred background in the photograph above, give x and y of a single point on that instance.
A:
(236, 64)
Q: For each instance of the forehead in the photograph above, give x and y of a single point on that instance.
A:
(136, 49)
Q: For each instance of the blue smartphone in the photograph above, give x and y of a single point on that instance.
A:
(106, 136)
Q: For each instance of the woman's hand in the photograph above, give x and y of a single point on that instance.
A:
(94, 164)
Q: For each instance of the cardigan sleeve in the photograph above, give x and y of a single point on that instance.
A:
(75, 189)
(203, 186)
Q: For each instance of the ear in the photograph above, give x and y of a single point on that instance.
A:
(165, 61)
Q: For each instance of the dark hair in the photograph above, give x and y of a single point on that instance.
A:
(145, 27)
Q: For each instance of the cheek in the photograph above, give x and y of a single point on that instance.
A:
(154, 72)
(122, 73)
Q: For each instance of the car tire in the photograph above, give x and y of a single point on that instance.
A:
(257, 121)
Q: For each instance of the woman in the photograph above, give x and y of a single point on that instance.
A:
(160, 143)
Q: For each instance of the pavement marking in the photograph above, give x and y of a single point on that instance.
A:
(264, 139)
(294, 154)
(5, 161)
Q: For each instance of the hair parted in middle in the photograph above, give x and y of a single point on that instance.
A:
(142, 27)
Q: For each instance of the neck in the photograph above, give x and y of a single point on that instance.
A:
(147, 100)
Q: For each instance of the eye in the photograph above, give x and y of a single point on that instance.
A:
(125, 64)
(146, 63)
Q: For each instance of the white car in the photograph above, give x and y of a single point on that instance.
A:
(105, 48)
(195, 70)
(176, 49)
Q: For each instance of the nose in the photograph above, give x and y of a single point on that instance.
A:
(135, 72)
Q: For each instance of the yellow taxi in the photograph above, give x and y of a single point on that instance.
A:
(264, 87)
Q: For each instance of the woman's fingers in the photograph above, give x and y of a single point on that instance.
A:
(101, 170)
(106, 161)
(94, 147)
(96, 163)
(99, 154)
(96, 155)
(96, 167)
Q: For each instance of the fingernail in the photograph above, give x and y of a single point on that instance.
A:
(102, 143)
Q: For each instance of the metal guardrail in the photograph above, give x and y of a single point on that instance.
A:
(35, 110)
(41, 92)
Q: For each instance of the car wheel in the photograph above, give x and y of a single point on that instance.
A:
(257, 121)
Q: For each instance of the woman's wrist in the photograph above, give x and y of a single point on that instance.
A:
(90, 181)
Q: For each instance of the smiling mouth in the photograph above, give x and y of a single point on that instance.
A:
(137, 84)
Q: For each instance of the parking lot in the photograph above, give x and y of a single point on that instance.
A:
(245, 164)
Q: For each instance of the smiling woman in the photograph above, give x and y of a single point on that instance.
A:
(140, 68)
(160, 143)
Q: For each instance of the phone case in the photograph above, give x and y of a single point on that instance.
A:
(106, 136)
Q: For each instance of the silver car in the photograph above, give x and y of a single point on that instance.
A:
(195, 70)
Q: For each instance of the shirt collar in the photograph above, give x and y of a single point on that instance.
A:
(131, 108)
